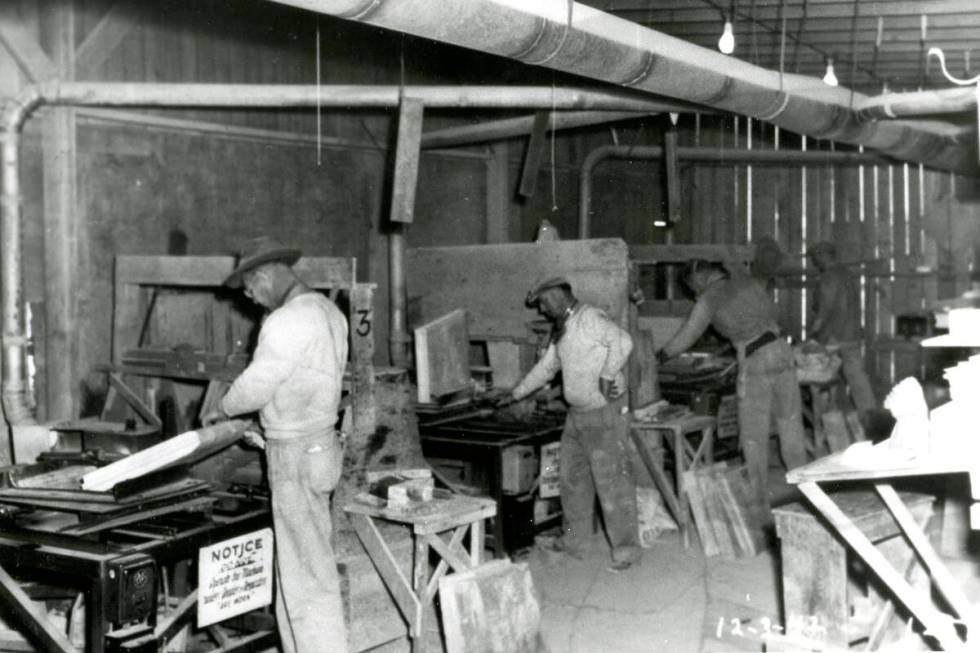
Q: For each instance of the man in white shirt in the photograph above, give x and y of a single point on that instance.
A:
(590, 350)
(294, 382)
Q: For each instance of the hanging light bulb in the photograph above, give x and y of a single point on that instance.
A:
(829, 78)
(726, 44)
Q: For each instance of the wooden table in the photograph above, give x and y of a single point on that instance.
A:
(449, 515)
(838, 467)
(648, 436)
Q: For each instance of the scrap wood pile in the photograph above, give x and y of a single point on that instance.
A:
(728, 510)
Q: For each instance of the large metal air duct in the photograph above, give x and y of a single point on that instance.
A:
(578, 39)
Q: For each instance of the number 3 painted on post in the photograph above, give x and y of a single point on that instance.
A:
(364, 325)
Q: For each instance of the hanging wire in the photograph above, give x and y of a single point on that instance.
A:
(923, 59)
(782, 43)
(874, 53)
(854, 55)
(319, 130)
(554, 128)
(799, 38)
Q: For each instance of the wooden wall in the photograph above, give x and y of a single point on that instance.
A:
(221, 176)
(910, 232)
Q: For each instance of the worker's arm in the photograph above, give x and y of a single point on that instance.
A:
(826, 296)
(280, 350)
(542, 372)
(696, 324)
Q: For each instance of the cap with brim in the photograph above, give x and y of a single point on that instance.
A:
(257, 252)
(964, 330)
(547, 284)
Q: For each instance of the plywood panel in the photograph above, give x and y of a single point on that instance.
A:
(491, 281)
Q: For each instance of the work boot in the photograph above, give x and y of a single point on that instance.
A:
(559, 545)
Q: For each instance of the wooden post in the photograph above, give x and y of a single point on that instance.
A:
(60, 225)
(673, 174)
(362, 361)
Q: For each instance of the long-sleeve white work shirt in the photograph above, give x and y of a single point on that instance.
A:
(591, 347)
(296, 374)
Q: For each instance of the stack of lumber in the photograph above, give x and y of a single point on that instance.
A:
(180, 448)
(728, 510)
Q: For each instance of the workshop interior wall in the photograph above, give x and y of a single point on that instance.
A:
(224, 176)
(912, 230)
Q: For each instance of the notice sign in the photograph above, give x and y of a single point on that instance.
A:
(550, 480)
(234, 576)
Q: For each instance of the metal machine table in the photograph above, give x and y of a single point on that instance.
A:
(483, 442)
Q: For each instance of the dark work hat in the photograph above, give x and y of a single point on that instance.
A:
(823, 247)
(259, 251)
(547, 284)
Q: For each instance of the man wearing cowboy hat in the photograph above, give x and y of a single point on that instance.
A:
(294, 382)
(590, 351)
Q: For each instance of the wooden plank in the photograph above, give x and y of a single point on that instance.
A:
(536, 144)
(166, 453)
(442, 356)
(388, 568)
(134, 401)
(948, 586)
(211, 271)
(407, 152)
(454, 555)
(104, 38)
(491, 603)
(454, 541)
(689, 485)
(27, 52)
(31, 617)
(660, 479)
(939, 625)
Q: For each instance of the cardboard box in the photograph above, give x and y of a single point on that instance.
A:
(520, 468)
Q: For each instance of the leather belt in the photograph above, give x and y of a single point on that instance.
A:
(758, 343)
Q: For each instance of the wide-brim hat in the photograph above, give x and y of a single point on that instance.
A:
(552, 282)
(964, 330)
(258, 251)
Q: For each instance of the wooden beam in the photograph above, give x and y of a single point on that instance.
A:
(535, 151)
(35, 622)
(407, 153)
(105, 37)
(64, 282)
(27, 52)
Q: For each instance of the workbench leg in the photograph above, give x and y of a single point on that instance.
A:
(497, 487)
(95, 618)
(476, 542)
(420, 576)
(709, 449)
(939, 572)
(35, 620)
(937, 624)
(682, 503)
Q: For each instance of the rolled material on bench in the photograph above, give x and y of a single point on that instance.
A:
(206, 439)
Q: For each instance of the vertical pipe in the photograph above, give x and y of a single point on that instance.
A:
(398, 337)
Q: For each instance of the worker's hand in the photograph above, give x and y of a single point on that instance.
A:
(213, 417)
(504, 400)
(254, 439)
(608, 388)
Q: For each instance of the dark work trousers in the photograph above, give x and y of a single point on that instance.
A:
(767, 389)
(594, 461)
(303, 471)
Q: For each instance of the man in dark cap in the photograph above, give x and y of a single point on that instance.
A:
(837, 324)
(294, 382)
(739, 308)
(590, 350)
